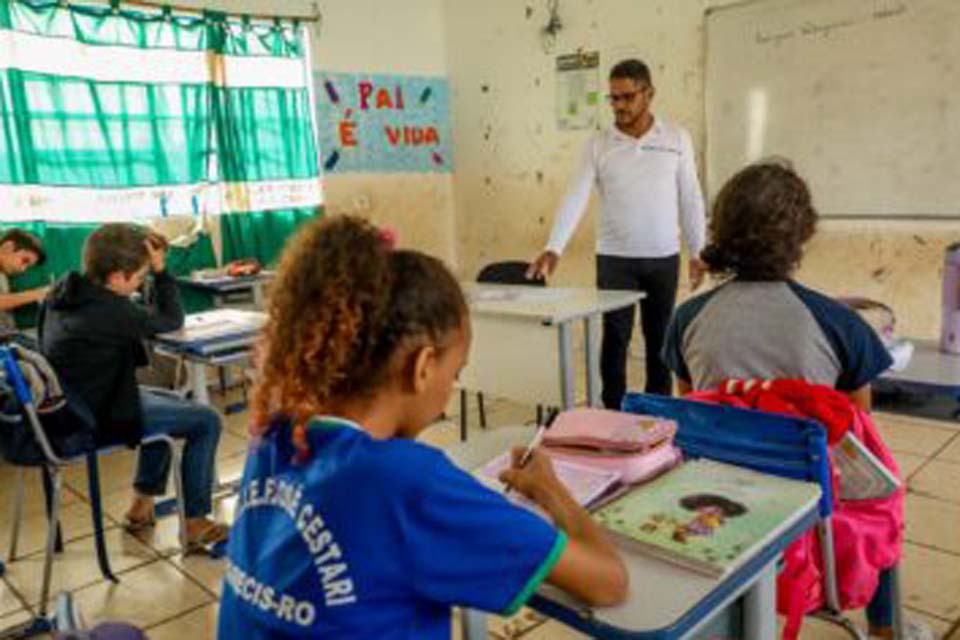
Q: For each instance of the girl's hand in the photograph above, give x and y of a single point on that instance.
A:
(536, 479)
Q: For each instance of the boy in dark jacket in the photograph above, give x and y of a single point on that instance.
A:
(93, 333)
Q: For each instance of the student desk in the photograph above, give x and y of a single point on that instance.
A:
(523, 340)
(226, 289)
(212, 339)
(665, 601)
(929, 371)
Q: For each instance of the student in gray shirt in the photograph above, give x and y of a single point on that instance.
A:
(760, 323)
(19, 251)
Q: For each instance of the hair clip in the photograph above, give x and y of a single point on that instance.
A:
(389, 237)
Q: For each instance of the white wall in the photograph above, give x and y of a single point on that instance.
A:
(397, 37)
(513, 163)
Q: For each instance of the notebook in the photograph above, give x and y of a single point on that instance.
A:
(862, 475)
(706, 516)
(586, 485)
(216, 331)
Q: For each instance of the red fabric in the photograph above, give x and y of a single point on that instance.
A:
(868, 534)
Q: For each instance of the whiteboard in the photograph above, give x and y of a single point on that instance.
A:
(863, 96)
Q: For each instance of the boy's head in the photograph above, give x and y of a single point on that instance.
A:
(761, 220)
(19, 251)
(354, 320)
(115, 256)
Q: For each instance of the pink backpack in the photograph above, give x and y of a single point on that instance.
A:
(636, 447)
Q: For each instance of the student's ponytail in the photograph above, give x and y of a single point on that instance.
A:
(343, 303)
(327, 306)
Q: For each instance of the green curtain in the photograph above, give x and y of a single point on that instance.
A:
(264, 134)
(79, 132)
(260, 234)
(154, 114)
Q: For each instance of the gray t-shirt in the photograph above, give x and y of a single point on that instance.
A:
(772, 330)
(6, 318)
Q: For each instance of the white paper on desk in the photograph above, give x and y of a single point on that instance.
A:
(585, 484)
(221, 323)
(519, 293)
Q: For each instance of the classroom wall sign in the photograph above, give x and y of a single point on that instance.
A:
(379, 123)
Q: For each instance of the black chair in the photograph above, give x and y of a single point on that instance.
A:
(507, 272)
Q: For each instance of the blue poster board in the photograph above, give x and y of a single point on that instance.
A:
(378, 123)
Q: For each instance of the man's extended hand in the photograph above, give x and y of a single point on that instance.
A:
(543, 266)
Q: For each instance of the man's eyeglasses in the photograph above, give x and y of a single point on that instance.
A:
(628, 97)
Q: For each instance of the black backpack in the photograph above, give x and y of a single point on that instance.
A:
(70, 430)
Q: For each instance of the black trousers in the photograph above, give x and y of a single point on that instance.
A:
(658, 278)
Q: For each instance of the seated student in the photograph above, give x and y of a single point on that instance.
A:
(760, 324)
(93, 333)
(348, 528)
(19, 251)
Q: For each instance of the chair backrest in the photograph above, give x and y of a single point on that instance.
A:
(509, 272)
(777, 444)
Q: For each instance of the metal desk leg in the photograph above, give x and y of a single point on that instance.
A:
(567, 382)
(591, 330)
(198, 382)
(760, 606)
(474, 624)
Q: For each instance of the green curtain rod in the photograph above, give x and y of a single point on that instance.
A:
(314, 17)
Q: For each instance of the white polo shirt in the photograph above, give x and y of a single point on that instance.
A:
(649, 191)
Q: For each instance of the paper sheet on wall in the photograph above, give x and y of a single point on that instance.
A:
(578, 91)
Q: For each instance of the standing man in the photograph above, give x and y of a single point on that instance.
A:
(644, 170)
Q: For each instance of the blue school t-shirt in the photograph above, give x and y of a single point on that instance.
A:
(371, 539)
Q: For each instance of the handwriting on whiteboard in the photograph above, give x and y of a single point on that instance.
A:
(814, 29)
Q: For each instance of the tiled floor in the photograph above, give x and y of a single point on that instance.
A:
(175, 598)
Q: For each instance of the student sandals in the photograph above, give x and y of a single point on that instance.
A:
(209, 540)
(136, 525)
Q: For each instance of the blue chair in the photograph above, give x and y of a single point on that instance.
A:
(776, 444)
(52, 468)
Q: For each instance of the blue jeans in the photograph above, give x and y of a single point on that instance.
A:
(880, 607)
(181, 419)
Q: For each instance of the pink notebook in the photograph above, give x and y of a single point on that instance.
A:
(605, 430)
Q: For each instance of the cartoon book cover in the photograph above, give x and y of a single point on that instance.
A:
(704, 515)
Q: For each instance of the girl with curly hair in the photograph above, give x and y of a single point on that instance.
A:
(348, 528)
(760, 323)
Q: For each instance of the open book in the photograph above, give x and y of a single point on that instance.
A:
(585, 484)
(706, 516)
(862, 475)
